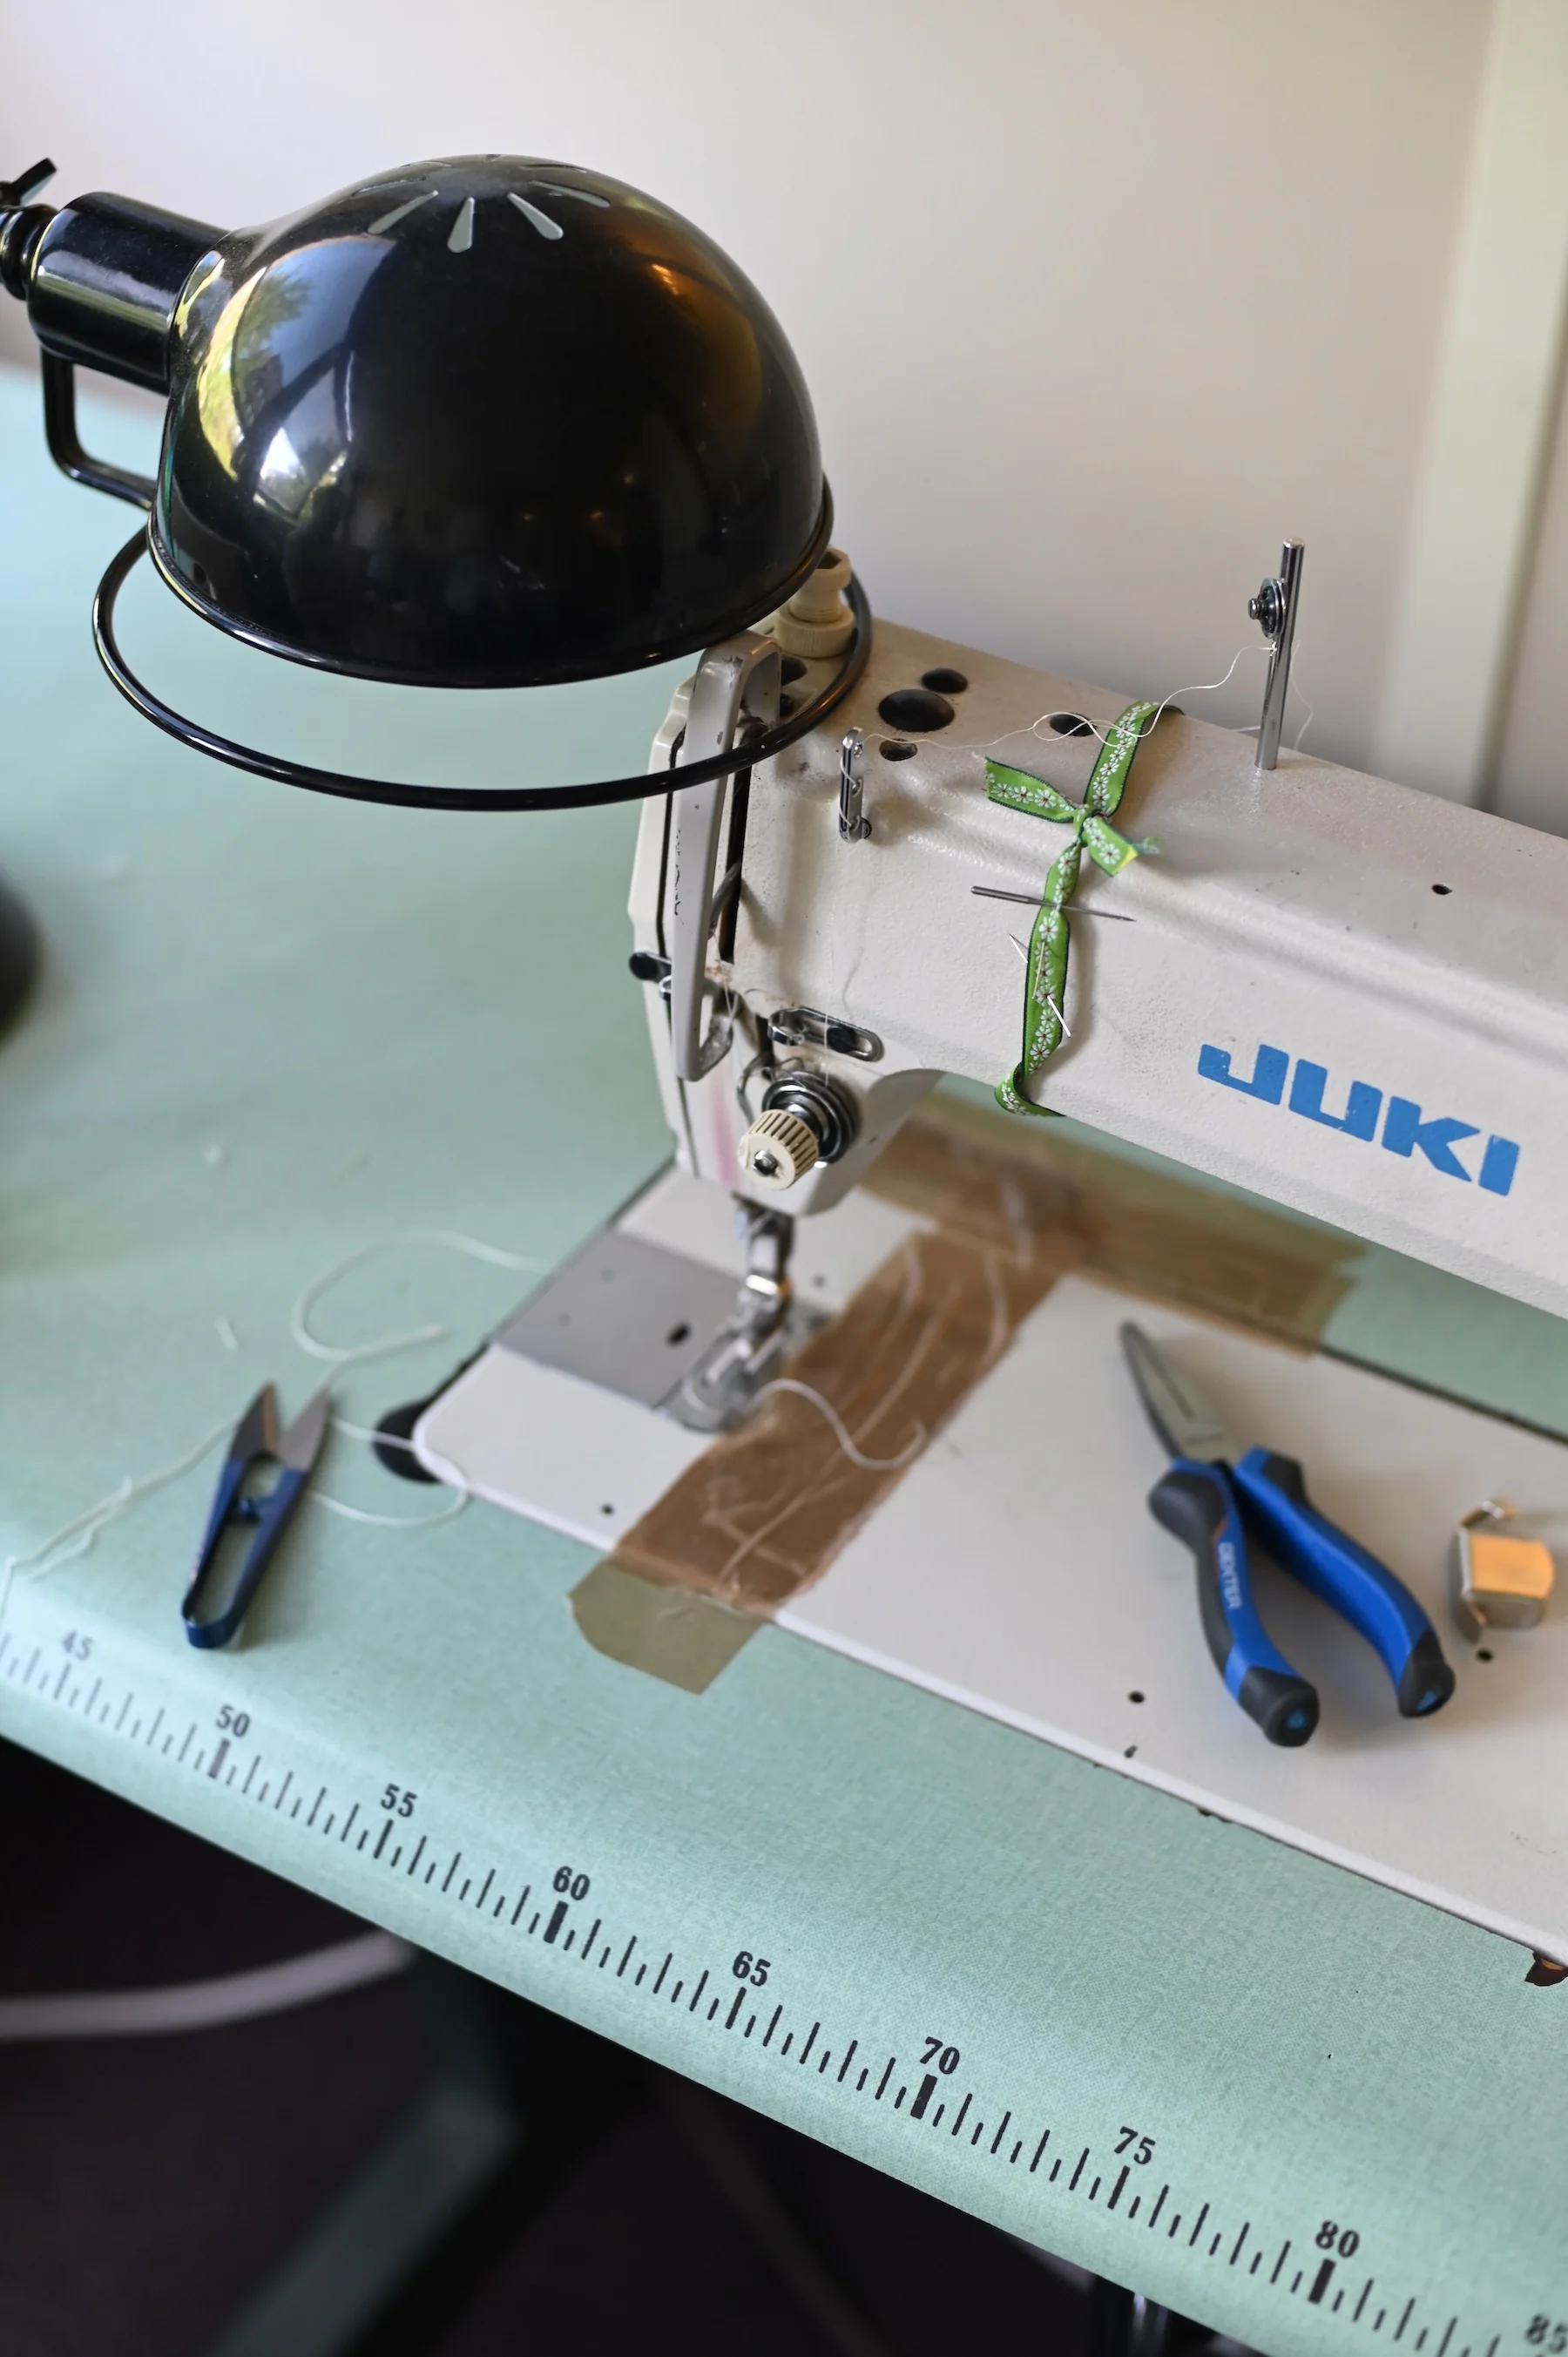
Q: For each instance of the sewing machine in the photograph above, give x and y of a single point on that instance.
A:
(1343, 995)
(1333, 991)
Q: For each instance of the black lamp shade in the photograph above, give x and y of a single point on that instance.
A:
(486, 422)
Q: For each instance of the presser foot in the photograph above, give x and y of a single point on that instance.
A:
(747, 1353)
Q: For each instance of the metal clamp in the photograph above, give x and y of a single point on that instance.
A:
(808, 1027)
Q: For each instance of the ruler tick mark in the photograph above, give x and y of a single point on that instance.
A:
(713, 2003)
(498, 1910)
(566, 1948)
(1240, 2240)
(1117, 2189)
(1360, 2304)
(1447, 2337)
(641, 1975)
(848, 2057)
(1192, 2239)
(1214, 2247)
(557, 1917)
(124, 1708)
(860, 2083)
(364, 1837)
(1320, 2283)
(430, 1873)
(1378, 2326)
(1399, 2329)
(1172, 2229)
(899, 2099)
(189, 1735)
(750, 2025)
(627, 1959)
(92, 1698)
(218, 1756)
(697, 1992)
(978, 2132)
(1078, 2172)
(789, 2040)
(418, 1854)
(327, 1822)
(155, 1727)
(1159, 2204)
(522, 1903)
(1284, 2249)
(735, 2009)
(1297, 2285)
(1257, 2263)
(283, 1788)
(589, 1943)
(480, 1899)
(811, 2039)
(1055, 2170)
(451, 1870)
(927, 2088)
(882, 2082)
(250, 1772)
(382, 1839)
(1132, 2207)
(64, 1673)
(772, 2024)
(962, 2109)
(669, 1960)
(314, 1806)
(349, 1823)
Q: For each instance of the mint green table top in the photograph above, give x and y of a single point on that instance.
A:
(272, 1028)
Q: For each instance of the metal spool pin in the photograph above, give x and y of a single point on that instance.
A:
(1274, 609)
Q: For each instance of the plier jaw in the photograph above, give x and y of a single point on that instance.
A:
(256, 1443)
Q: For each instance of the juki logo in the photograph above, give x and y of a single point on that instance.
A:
(1405, 1129)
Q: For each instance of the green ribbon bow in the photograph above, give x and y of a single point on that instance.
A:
(1045, 987)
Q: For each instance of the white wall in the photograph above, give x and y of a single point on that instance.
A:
(1098, 298)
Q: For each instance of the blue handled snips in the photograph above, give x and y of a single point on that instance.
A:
(1212, 1496)
(238, 1504)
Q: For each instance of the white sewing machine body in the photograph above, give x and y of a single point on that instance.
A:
(1342, 994)
(1336, 991)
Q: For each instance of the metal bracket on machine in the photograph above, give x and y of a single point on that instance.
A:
(737, 685)
(1274, 610)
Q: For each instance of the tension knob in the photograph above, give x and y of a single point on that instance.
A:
(778, 1149)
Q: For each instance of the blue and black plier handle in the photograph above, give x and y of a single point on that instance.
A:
(1210, 1507)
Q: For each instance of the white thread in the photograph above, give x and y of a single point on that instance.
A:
(905, 1455)
(355, 1354)
(448, 1472)
(1032, 728)
(226, 1334)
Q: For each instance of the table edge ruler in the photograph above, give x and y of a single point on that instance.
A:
(1097, 2192)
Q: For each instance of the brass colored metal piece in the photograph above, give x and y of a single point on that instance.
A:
(1499, 1581)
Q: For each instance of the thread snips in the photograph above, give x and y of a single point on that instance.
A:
(266, 1511)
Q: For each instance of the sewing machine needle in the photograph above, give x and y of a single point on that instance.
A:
(1032, 900)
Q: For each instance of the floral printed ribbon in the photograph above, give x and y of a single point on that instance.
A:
(1045, 987)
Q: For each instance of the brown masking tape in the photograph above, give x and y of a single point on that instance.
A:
(768, 1507)
(685, 1640)
(1150, 1230)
